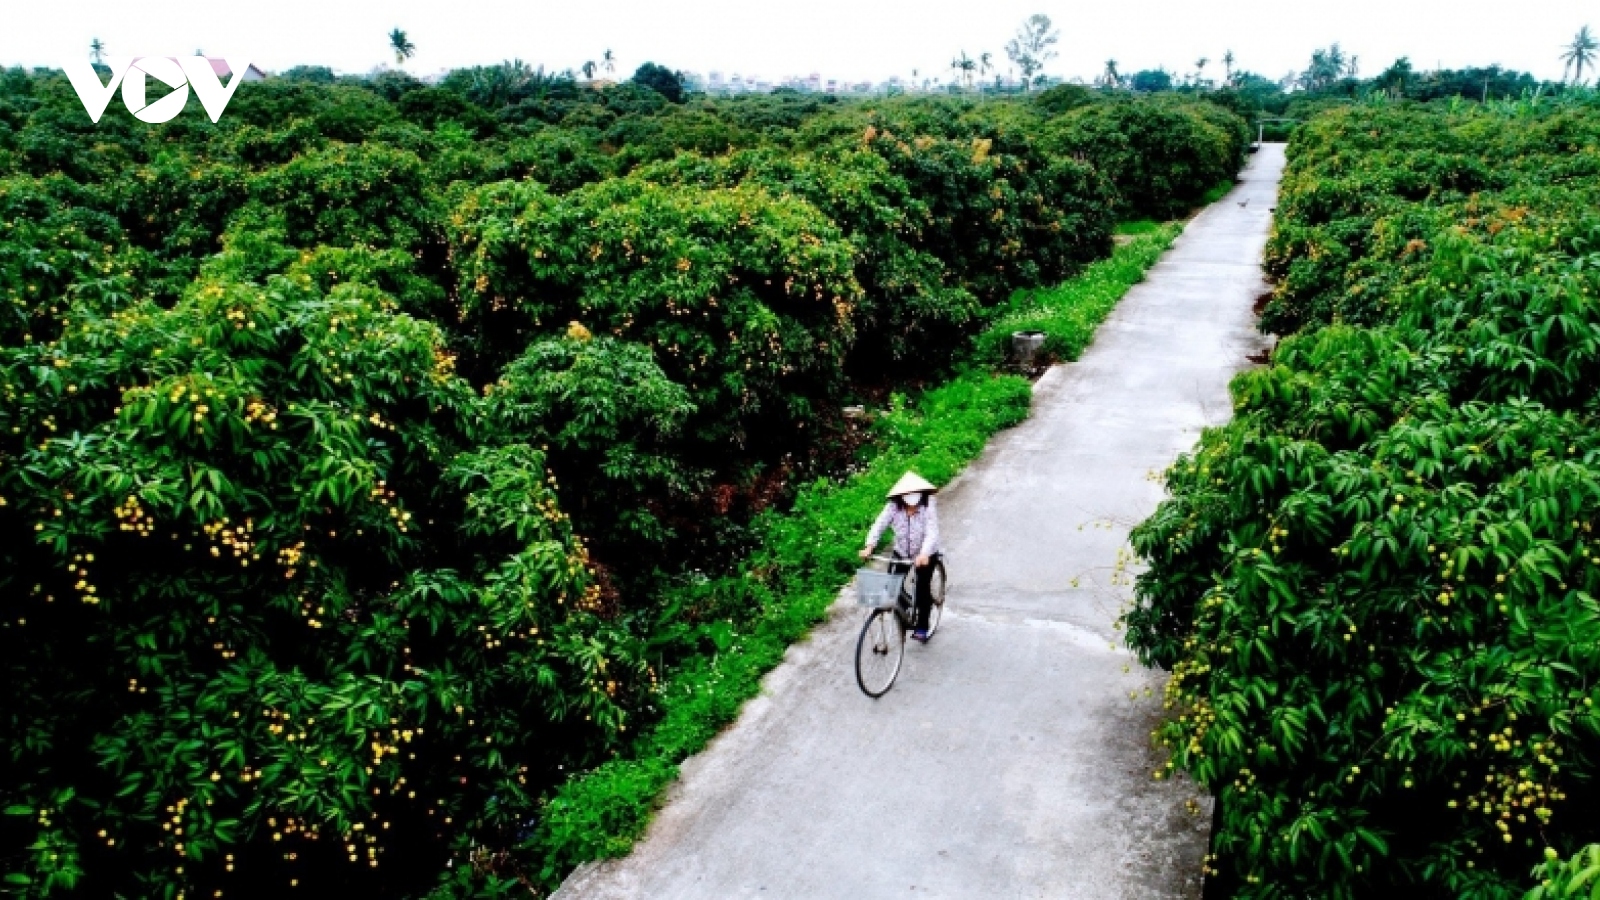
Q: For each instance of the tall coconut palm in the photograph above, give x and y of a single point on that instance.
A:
(1580, 53)
(1227, 65)
(588, 70)
(1200, 71)
(609, 63)
(97, 51)
(402, 47)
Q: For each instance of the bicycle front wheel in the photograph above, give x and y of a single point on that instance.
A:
(879, 651)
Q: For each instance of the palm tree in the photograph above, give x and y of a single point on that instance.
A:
(609, 62)
(1227, 63)
(1353, 67)
(507, 83)
(588, 70)
(1580, 53)
(1327, 67)
(1200, 71)
(97, 50)
(1111, 78)
(402, 47)
(966, 65)
(984, 66)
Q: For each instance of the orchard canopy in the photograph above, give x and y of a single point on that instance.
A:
(374, 460)
(1376, 588)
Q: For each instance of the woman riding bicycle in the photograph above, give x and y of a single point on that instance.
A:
(914, 518)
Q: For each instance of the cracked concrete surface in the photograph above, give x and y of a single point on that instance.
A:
(1008, 760)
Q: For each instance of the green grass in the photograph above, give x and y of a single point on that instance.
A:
(809, 554)
(1140, 226)
(1069, 313)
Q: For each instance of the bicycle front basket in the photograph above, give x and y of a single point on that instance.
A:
(877, 589)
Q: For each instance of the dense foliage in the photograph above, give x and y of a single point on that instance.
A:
(662, 80)
(1365, 197)
(1376, 588)
(378, 458)
(1574, 878)
(271, 571)
(1161, 156)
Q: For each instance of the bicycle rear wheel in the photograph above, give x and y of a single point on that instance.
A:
(936, 591)
(879, 651)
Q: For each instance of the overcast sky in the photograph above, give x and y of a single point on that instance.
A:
(854, 39)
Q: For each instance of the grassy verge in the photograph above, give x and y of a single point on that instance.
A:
(809, 554)
(1069, 312)
(1141, 226)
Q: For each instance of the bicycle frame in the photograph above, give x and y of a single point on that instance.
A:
(905, 615)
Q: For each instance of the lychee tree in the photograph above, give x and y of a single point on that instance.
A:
(277, 611)
(1376, 587)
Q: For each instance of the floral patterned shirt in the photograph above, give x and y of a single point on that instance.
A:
(914, 535)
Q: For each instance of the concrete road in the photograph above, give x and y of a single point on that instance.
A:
(1009, 760)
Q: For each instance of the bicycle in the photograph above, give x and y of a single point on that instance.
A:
(882, 645)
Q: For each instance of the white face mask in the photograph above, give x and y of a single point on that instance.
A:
(911, 499)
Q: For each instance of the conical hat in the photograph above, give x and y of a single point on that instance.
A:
(911, 482)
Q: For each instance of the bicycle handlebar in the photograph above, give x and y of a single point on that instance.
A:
(889, 559)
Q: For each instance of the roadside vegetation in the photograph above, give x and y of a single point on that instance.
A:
(1376, 587)
(397, 480)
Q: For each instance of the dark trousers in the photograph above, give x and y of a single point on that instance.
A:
(924, 593)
